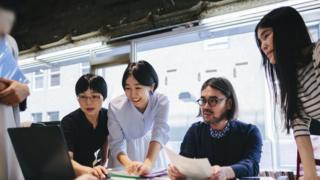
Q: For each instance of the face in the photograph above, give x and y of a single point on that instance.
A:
(213, 105)
(138, 94)
(90, 102)
(6, 21)
(265, 36)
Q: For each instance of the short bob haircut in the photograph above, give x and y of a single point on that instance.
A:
(143, 72)
(290, 39)
(225, 87)
(94, 82)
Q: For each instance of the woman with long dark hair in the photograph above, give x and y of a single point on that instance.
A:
(291, 63)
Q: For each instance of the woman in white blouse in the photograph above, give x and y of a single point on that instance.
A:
(138, 122)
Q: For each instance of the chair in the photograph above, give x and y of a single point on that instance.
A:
(315, 139)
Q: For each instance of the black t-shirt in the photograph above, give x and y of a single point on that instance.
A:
(82, 139)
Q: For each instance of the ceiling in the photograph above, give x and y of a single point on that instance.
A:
(51, 23)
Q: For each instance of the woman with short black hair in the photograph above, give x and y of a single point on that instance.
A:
(85, 129)
(138, 121)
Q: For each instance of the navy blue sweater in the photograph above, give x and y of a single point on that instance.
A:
(240, 148)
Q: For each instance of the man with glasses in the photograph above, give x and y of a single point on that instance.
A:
(233, 148)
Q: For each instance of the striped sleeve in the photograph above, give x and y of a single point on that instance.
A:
(301, 126)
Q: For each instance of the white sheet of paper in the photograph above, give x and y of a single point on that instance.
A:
(192, 168)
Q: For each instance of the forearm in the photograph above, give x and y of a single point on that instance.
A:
(79, 169)
(307, 157)
(124, 159)
(153, 151)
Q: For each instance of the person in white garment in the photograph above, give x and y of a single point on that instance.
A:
(138, 122)
(11, 94)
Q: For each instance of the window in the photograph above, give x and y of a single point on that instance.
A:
(55, 76)
(85, 68)
(53, 116)
(36, 117)
(181, 75)
(38, 79)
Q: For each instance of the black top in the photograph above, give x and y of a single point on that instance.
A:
(240, 148)
(82, 139)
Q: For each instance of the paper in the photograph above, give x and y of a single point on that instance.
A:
(191, 168)
(124, 174)
(8, 66)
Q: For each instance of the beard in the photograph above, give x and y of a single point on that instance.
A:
(215, 120)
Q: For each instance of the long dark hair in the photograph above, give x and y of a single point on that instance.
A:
(290, 37)
(143, 72)
(226, 88)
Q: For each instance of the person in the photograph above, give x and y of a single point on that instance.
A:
(232, 147)
(138, 122)
(12, 93)
(85, 129)
(291, 63)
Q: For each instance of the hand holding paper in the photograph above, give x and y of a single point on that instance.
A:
(191, 168)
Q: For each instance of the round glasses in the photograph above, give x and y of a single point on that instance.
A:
(212, 101)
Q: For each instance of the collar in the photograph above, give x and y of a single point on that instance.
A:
(218, 134)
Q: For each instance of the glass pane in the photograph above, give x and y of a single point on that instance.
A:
(55, 69)
(36, 117)
(55, 80)
(39, 82)
(53, 116)
(113, 77)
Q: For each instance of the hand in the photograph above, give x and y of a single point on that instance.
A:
(14, 93)
(99, 171)
(145, 168)
(2, 86)
(133, 167)
(217, 173)
(174, 173)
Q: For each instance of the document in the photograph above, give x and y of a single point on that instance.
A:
(123, 174)
(192, 168)
(8, 66)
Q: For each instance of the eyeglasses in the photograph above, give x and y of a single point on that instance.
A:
(212, 101)
(93, 98)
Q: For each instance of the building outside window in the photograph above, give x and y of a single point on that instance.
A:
(55, 77)
(53, 116)
(36, 117)
(38, 79)
(84, 68)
